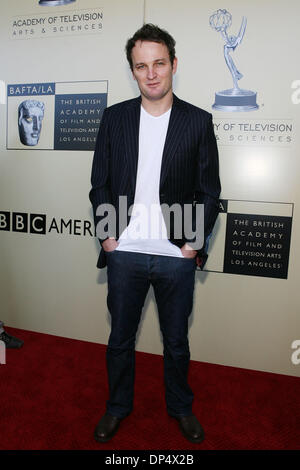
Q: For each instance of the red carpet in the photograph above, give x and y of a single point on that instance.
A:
(53, 393)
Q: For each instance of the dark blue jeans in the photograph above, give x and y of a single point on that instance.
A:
(129, 276)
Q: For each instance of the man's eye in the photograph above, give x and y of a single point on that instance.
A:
(29, 119)
(140, 67)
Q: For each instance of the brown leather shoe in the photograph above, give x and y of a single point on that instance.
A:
(107, 428)
(191, 428)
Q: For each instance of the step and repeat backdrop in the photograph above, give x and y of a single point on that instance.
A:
(62, 64)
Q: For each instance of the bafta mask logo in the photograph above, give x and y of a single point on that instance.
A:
(31, 113)
(55, 3)
(233, 99)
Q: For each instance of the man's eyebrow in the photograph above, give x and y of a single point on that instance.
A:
(155, 60)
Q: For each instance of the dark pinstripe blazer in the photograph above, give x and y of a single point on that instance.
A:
(189, 170)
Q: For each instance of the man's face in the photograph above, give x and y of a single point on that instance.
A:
(30, 125)
(152, 69)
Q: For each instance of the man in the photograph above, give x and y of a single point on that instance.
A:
(155, 149)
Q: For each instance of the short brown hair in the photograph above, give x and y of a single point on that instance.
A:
(150, 32)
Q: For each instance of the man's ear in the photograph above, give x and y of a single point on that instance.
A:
(133, 75)
(174, 66)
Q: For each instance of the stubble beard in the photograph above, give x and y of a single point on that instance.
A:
(155, 97)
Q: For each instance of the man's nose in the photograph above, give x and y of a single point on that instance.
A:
(151, 73)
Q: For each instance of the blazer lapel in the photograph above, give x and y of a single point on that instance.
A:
(131, 124)
(177, 126)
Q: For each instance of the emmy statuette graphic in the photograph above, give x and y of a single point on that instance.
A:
(236, 98)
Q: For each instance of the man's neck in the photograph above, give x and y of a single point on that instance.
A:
(158, 107)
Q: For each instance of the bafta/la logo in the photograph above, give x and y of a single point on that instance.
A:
(30, 116)
(236, 98)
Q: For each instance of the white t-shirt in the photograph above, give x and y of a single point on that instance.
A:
(146, 232)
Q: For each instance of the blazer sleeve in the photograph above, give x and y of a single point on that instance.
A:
(207, 185)
(100, 178)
